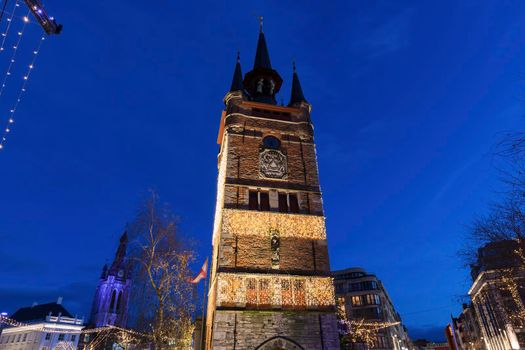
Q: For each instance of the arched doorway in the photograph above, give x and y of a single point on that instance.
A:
(279, 343)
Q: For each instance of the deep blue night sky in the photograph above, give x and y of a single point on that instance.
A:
(408, 99)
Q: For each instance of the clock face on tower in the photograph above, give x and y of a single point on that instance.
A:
(272, 164)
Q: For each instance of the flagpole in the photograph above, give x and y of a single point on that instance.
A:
(203, 308)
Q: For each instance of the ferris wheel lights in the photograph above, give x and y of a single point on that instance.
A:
(11, 120)
(26, 19)
(30, 66)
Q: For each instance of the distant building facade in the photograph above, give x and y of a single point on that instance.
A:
(493, 303)
(45, 327)
(364, 297)
(495, 318)
(110, 304)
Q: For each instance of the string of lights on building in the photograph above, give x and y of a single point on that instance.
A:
(13, 323)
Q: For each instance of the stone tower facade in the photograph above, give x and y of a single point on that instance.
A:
(110, 304)
(270, 284)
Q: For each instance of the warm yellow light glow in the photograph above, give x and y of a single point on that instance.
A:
(259, 223)
(242, 289)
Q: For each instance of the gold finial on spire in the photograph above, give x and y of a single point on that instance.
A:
(260, 24)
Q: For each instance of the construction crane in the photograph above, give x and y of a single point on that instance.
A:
(48, 23)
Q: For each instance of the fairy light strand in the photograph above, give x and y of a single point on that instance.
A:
(13, 56)
(14, 323)
(23, 89)
(8, 26)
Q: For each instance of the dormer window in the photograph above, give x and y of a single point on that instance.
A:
(271, 142)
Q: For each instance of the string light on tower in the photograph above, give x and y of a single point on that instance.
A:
(23, 89)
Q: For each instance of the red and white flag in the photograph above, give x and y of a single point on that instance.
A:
(202, 273)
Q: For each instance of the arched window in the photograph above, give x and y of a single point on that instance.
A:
(112, 303)
(271, 142)
(119, 299)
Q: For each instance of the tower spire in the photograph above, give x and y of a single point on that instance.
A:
(262, 57)
(262, 82)
(237, 84)
(297, 95)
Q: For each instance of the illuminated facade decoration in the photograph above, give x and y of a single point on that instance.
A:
(42, 327)
(495, 307)
(110, 304)
(270, 283)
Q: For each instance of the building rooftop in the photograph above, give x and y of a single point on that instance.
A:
(39, 312)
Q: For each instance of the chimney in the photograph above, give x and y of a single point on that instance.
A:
(59, 300)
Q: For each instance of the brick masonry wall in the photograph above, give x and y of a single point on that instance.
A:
(254, 252)
(243, 330)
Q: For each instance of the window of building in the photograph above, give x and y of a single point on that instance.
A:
(253, 198)
(44, 347)
(259, 200)
(271, 142)
(48, 336)
(283, 203)
(369, 313)
(299, 293)
(119, 299)
(264, 200)
(73, 337)
(18, 338)
(373, 299)
(357, 300)
(112, 304)
(340, 288)
(61, 337)
(24, 338)
(264, 292)
(288, 203)
(251, 291)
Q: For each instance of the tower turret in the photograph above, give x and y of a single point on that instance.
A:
(297, 96)
(237, 84)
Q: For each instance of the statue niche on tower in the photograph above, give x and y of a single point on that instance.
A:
(275, 242)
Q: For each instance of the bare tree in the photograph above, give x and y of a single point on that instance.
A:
(162, 301)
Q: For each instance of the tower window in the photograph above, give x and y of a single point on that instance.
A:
(119, 299)
(264, 201)
(112, 304)
(283, 203)
(271, 142)
(294, 204)
(253, 203)
(288, 203)
(259, 201)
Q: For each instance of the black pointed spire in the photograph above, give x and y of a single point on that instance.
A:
(262, 57)
(262, 83)
(297, 92)
(121, 252)
(237, 84)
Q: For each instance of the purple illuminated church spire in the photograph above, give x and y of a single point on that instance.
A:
(110, 304)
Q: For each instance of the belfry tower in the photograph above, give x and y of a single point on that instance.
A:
(270, 284)
(110, 304)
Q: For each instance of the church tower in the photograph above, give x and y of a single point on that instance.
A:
(270, 284)
(110, 304)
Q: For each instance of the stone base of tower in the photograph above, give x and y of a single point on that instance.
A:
(267, 330)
